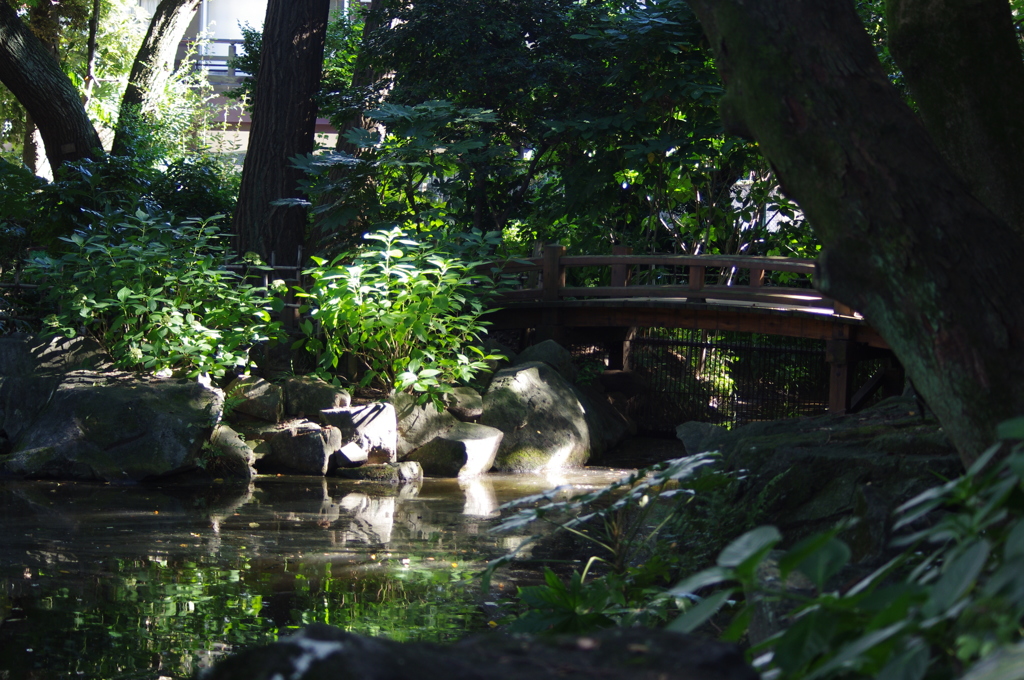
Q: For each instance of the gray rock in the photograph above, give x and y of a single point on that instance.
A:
(257, 398)
(386, 473)
(320, 652)
(22, 354)
(552, 354)
(100, 427)
(232, 458)
(349, 455)
(303, 450)
(466, 404)
(466, 450)
(545, 424)
(374, 427)
(606, 426)
(30, 371)
(306, 396)
(418, 424)
(699, 437)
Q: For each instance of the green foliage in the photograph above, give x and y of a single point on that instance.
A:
(87, 194)
(583, 123)
(406, 308)
(156, 295)
(953, 595)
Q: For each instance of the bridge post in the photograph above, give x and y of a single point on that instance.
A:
(838, 354)
(617, 344)
(552, 281)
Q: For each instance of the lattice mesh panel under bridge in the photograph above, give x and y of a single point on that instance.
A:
(723, 378)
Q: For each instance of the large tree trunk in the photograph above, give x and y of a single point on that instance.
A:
(930, 266)
(153, 64)
(963, 66)
(32, 74)
(283, 125)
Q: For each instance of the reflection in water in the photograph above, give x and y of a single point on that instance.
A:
(98, 581)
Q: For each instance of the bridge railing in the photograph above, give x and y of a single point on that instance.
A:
(552, 266)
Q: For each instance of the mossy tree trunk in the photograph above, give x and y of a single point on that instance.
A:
(283, 126)
(152, 66)
(932, 265)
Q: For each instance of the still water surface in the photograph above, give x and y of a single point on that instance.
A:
(107, 582)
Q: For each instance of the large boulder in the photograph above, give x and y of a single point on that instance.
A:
(466, 404)
(30, 371)
(373, 427)
(115, 427)
(545, 424)
(321, 652)
(306, 396)
(304, 449)
(466, 450)
(419, 423)
(805, 475)
(257, 398)
(552, 354)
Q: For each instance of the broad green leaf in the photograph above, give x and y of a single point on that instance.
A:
(912, 664)
(957, 578)
(700, 613)
(701, 579)
(825, 562)
(750, 545)
(850, 653)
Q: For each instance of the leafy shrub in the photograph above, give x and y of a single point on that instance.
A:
(950, 598)
(156, 295)
(954, 594)
(405, 308)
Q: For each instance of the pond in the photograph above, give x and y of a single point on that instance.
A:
(140, 583)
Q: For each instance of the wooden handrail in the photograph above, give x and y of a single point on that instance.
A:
(553, 264)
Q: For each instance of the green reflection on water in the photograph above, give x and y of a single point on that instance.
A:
(147, 618)
(115, 583)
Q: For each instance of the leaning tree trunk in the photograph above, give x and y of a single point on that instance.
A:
(283, 126)
(35, 78)
(931, 267)
(153, 64)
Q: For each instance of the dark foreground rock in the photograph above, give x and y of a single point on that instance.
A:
(805, 475)
(96, 424)
(325, 653)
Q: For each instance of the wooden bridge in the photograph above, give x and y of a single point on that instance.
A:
(742, 298)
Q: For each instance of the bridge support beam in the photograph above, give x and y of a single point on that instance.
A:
(843, 355)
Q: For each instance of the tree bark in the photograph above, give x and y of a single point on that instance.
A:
(153, 65)
(283, 125)
(963, 66)
(34, 76)
(364, 76)
(90, 53)
(905, 242)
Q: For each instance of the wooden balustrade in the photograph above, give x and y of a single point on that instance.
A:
(552, 266)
